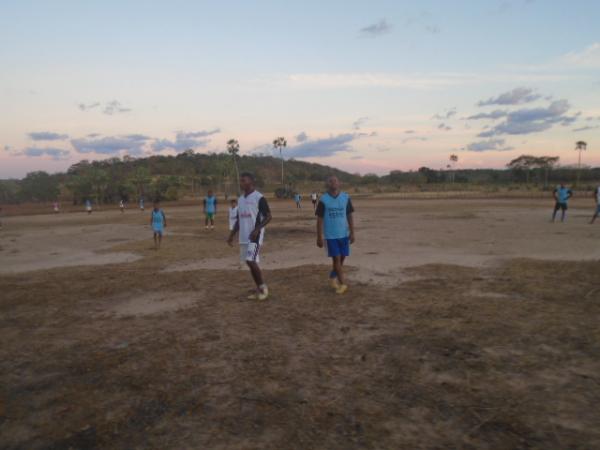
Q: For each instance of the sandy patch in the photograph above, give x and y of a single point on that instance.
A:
(148, 304)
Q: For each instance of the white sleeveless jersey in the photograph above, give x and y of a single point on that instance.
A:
(249, 215)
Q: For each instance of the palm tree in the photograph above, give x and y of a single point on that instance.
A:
(580, 146)
(453, 160)
(233, 148)
(280, 143)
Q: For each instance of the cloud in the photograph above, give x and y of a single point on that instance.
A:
(409, 132)
(357, 157)
(359, 123)
(47, 136)
(586, 128)
(586, 58)
(423, 19)
(447, 114)
(54, 153)
(185, 140)
(301, 137)
(86, 107)
(114, 107)
(322, 147)
(376, 29)
(414, 138)
(517, 96)
(443, 126)
(494, 115)
(131, 144)
(526, 121)
(497, 145)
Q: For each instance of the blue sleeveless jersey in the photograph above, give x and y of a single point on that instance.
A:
(210, 204)
(157, 219)
(335, 220)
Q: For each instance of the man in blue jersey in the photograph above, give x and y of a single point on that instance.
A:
(298, 199)
(562, 194)
(158, 222)
(335, 228)
(210, 209)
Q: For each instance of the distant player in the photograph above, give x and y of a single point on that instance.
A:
(313, 198)
(233, 213)
(158, 222)
(597, 200)
(336, 224)
(562, 194)
(253, 216)
(298, 199)
(88, 206)
(142, 204)
(210, 209)
(122, 206)
(55, 207)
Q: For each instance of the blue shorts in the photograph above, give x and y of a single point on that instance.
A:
(338, 247)
(157, 230)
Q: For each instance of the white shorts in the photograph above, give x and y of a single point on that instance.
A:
(250, 252)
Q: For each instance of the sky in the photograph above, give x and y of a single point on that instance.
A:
(367, 87)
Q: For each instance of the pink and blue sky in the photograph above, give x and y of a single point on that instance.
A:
(364, 86)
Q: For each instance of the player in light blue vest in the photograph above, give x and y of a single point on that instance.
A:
(210, 209)
(298, 199)
(158, 222)
(336, 225)
(562, 194)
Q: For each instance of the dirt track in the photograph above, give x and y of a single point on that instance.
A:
(448, 338)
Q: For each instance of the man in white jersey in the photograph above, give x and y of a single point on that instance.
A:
(597, 199)
(253, 216)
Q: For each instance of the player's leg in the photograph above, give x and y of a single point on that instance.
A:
(556, 208)
(339, 269)
(159, 239)
(595, 216)
(564, 213)
(155, 240)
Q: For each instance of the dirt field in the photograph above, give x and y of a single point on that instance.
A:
(468, 324)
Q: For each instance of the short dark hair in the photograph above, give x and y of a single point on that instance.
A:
(247, 175)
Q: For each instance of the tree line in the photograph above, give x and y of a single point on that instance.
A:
(189, 173)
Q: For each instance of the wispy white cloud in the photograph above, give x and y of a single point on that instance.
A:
(54, 153)
(589, 57)
(47, 136)
(517, 96)
(497, 145)
(376, 29)
(358, 123)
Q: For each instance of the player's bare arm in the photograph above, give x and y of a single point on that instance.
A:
(351, 226)
(260, 226)
(235, 230)
(319, 232)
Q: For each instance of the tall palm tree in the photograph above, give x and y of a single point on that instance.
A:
(453, 160)
(280, 143)
(233, 148)
(580, 146)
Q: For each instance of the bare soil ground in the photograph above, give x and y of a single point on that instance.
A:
(469, 324)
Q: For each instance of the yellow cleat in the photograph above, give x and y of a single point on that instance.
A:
(333, 282)
(262, 296)
(341, 289)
